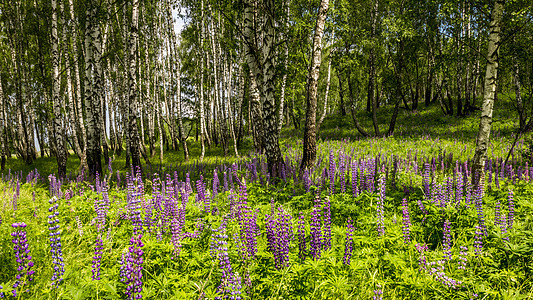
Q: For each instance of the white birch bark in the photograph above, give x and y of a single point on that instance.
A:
(491, 76)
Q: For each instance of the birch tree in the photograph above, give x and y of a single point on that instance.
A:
(92, 85)
(309, 144)
(489, 94)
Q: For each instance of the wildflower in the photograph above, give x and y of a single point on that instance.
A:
(406, 222)
(24, 260)
(331, 173)
(446, 241)
(462, 258)
(380, 211)
(478, 240)
(316, 231)
(302, 244)
(355, 189)
(55, 243)
(327, 224)
(348, 243)
(510, 218)
(97, 258)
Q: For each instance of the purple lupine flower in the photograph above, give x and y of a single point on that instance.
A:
(134, 267)
(202, 197)
(379, 206)
(422, 262)
(458, 190)
(446, 241)
(461, 264)
(478, 240)
(22, 254)
(342, 172)
(216, 183)
(80, 225)
(176, 231)
(230, 284)
(478, 198)
(1, 293)
(316, 229)
(226, 186)
(503, 227)
(97, 258)
(302, 243)
(248, 223)
(378, 292)
(283, 236)
(441, 276)
(425, 179)
(497, 214)
(123, 267)
(468, 196)
(510, 218)
(270, 227)
(406, 222)
(331, 173)
(188, 186)
(55, 243)
(327, 224)
(355, 189)
(348, 242)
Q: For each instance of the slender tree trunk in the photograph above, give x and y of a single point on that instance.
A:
(74, 44)
(341, 96)
(3, 122)
(72, 111)
(324, 110)
(519, 103)
(92, 84)
(257, 115)
(133, 132)
(284, 79)
(372, 71)
(358, 126)
(489, 94)
(310, 131)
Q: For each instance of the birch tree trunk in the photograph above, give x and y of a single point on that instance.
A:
(3, 140)
(284, 79)
(72, 111)
(133, 133)
(328, 82)
(309, 145)
(92, 84)
(56, 99)
(372, 70)
(491, 76)
(74, 43)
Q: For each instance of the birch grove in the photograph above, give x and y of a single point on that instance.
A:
(92, 82)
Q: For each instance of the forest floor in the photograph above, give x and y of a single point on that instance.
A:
(391, 218)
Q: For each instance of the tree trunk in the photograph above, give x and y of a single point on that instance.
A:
(358, 126)
(324, 110)
(372, 70)
(79, 115)
(3, 122)
(72, 115)
(92, 84)
(56, 99)
(489, 93)
(133, 132)
(310, 131)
